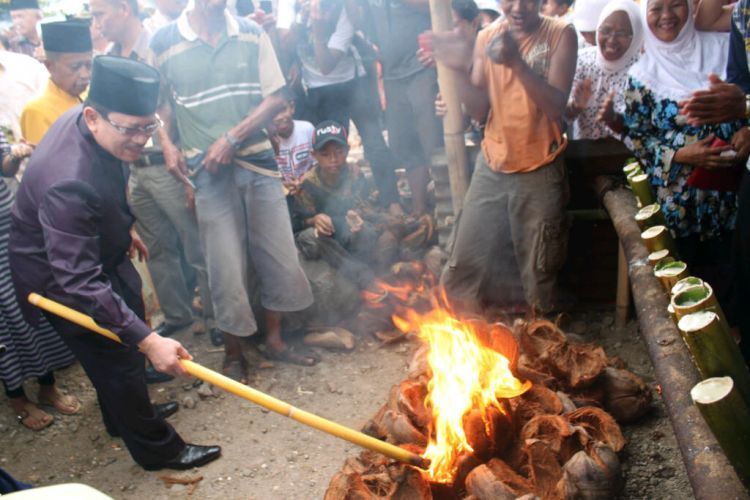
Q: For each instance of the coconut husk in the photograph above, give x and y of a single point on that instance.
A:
(590, 396)
(496, 480)
(552, 429)
(567, 403)
(536, 401)
(626, 396)
(579, 365)
(349, 487)
(599, 425)
(594, 476)
(544, 470)
(413, 486)
(374, 427)
(411, 401)
(418, 366)
(488, 434)
(530, 368)
(400, 430)
(502, 340)
(538, 337)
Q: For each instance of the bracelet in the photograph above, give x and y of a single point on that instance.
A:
(232, 140)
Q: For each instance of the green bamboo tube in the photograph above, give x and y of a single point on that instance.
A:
(630, 167)
(728, 417)
(642, 189)
(714, 350)
(698, 298)
(658, 256)
(672, 315)
(685, 283)
(669, 273)
(650, 215)
(659, 238)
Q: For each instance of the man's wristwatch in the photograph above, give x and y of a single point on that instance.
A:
(232, 140)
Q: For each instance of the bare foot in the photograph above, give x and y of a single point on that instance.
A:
(30, 415)
(64, 403)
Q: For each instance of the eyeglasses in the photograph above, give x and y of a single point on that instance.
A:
(620, 35)
(148, 130)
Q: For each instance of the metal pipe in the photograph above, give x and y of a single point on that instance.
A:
(710, 473)
(245, 392)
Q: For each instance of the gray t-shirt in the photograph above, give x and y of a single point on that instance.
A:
(397, 26)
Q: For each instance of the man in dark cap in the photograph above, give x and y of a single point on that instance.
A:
(67, 47)
(70, 241)
(25, 15)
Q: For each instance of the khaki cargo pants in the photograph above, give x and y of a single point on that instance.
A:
(513, 227)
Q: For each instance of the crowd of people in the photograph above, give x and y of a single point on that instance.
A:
(212, 142)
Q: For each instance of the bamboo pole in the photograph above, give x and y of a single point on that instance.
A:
(248, 393)
(453, 122)
(659, 238)
(650, 215)
(669, 273)
(714, 350)
(642, 189)
(728, 416)
(623, 289)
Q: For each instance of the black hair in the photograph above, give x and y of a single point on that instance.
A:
(466, 9)
(102, 110)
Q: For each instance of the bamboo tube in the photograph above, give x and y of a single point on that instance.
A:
(453, 121)
(696, 298)
(633, 173)
(245, 392)
(669, 273)
(728, 416)
(714, 350)
(685, 283)
(659, 238)
(672, 315)
(658, 256)
(631, 167)
(642, 189)
(650, 215)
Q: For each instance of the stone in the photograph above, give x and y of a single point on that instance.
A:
(205, 391)
(188, 402)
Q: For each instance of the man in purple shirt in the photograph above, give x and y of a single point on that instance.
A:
(70, 241)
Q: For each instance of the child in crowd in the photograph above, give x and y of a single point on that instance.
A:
(556, 8)
(292, 140)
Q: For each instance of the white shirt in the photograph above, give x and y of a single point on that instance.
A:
(156, 21)
(21, 78)
(295, 153)
(340, 40)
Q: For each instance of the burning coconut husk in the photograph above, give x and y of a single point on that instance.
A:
(501, 412)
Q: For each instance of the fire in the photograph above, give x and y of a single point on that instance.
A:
(466, 375)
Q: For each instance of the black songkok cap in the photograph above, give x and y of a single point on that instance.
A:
(23, 4)
(66, 36)
(124, 86)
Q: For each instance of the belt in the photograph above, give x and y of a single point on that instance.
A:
(150, 160)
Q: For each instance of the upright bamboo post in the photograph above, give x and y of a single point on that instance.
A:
(453, 123)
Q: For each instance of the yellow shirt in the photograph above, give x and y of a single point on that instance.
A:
(41, 112)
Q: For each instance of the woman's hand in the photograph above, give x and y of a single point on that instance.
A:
(579, 98)
(741, 143)
(609, 116)
(441, 107)
(702, 154)
(323, 225)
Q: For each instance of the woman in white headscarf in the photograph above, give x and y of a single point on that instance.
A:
(690, 168)
(602, 70)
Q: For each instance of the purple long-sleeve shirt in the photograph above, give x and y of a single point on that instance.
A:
(70, 230)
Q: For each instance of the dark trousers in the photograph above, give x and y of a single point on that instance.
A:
(118, 375)
(366, 115)
(741, 264)
(331, 102)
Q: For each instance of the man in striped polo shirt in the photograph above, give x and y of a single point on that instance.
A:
(224, 84)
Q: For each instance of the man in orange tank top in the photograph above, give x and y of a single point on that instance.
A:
(513, 228)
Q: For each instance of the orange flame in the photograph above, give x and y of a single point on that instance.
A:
(465, 375)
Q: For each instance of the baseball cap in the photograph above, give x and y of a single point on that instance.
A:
(328, 131)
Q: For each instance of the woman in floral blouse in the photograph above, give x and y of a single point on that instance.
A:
(690, 168)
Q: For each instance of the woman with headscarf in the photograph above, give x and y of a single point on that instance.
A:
(690, 168)
(602, 69)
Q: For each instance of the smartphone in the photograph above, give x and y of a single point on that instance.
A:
(266, 6)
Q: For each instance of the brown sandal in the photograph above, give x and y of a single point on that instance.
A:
(32, 413)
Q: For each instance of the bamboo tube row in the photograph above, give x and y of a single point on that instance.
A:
(723, 397)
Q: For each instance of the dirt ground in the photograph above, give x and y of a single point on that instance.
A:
(267, 456)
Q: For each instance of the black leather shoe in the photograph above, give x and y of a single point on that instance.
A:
(166, 410)
(166, 330)
(192, 455)
(217, 338)
(154, 377)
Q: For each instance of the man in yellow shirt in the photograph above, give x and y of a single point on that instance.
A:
(68, 56)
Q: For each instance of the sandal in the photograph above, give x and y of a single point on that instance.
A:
(34, 418)
(295, 354)
(236, 369)
(64, 403)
